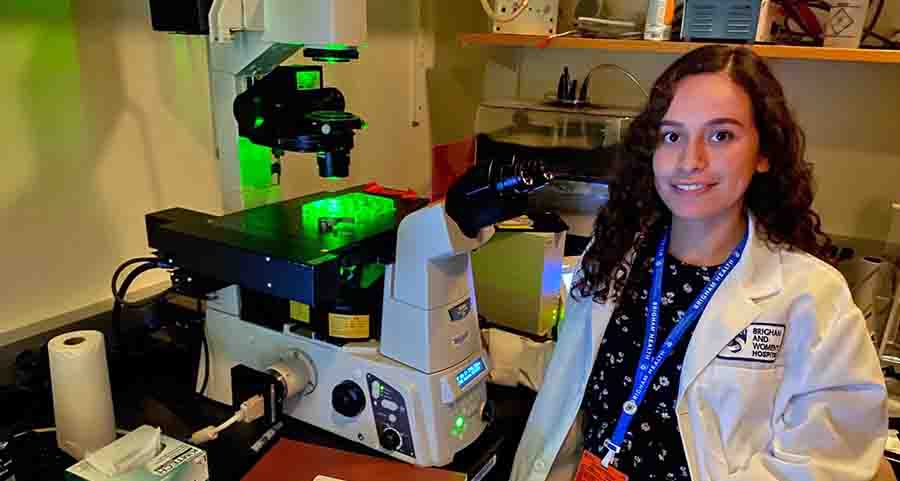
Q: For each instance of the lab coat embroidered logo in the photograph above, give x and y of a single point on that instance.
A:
(759, 342)
(737, 344)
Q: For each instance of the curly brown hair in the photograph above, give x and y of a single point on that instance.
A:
(779, 199)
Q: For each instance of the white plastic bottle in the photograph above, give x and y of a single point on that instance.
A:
(659, 20)
(846, 19)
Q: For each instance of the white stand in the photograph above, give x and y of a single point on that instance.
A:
(430, 317)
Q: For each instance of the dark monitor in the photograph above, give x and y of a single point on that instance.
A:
(181, 16)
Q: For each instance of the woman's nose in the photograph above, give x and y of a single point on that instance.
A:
(694, 156)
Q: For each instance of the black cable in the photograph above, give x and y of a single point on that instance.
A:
(205, 344)
(136, 260)
(118, 306)
(205, 361)
(155, 263)
(890, 43)
(871, 26)
(798, 36)
(869, 30)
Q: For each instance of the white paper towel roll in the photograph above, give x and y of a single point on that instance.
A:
(82, 399)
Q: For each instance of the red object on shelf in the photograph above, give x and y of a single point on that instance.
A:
(448, 163)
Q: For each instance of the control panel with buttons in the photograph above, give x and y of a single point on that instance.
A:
(467, 411)
(391, 417)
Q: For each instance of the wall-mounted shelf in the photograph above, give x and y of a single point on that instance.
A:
(770, 51)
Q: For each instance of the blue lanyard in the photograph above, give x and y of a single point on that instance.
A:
(649, 363)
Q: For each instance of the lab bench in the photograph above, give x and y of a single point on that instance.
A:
(152, 384)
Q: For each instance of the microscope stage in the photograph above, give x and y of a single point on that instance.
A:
(291, 249)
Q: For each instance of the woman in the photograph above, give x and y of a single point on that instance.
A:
(754, 363)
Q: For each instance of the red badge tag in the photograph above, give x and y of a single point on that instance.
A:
(591, 469)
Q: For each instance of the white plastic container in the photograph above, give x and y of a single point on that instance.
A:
(659, 20)
(846, 20)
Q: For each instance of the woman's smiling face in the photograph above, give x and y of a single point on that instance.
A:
(708, 149)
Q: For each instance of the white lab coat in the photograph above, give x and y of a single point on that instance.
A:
(818, 412)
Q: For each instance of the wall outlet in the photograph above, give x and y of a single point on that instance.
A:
(539, 17)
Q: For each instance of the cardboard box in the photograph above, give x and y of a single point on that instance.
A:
(517, 280)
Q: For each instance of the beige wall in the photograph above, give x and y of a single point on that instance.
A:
(103, 121)
(850, 113)
(106, 120)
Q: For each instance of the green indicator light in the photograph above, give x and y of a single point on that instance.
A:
(308, 80)
(460, 422)
(259, 121)
(335, 46)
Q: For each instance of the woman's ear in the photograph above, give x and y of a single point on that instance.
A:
(762, 165)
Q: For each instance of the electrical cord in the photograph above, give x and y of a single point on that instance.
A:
(118, 307)
(792, 14)
(144, 264)
(869, 30)
(155, 263)
(489, 11)
(205, 343)
(250, 410)
(884, 40)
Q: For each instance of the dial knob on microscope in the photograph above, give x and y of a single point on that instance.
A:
(348, 399)
(391, 439)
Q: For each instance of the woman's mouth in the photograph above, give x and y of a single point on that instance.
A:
(692, 188)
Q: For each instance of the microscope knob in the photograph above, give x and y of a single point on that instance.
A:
(391, 439)
(348, 399)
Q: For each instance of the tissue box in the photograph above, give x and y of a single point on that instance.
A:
(517, 280)
(178, 461)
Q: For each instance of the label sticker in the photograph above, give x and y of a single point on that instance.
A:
(461, 310)
(300, 312)
(759, 342)
(348, 326)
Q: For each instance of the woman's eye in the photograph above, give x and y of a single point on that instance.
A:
(670, 137)
(722, 136)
